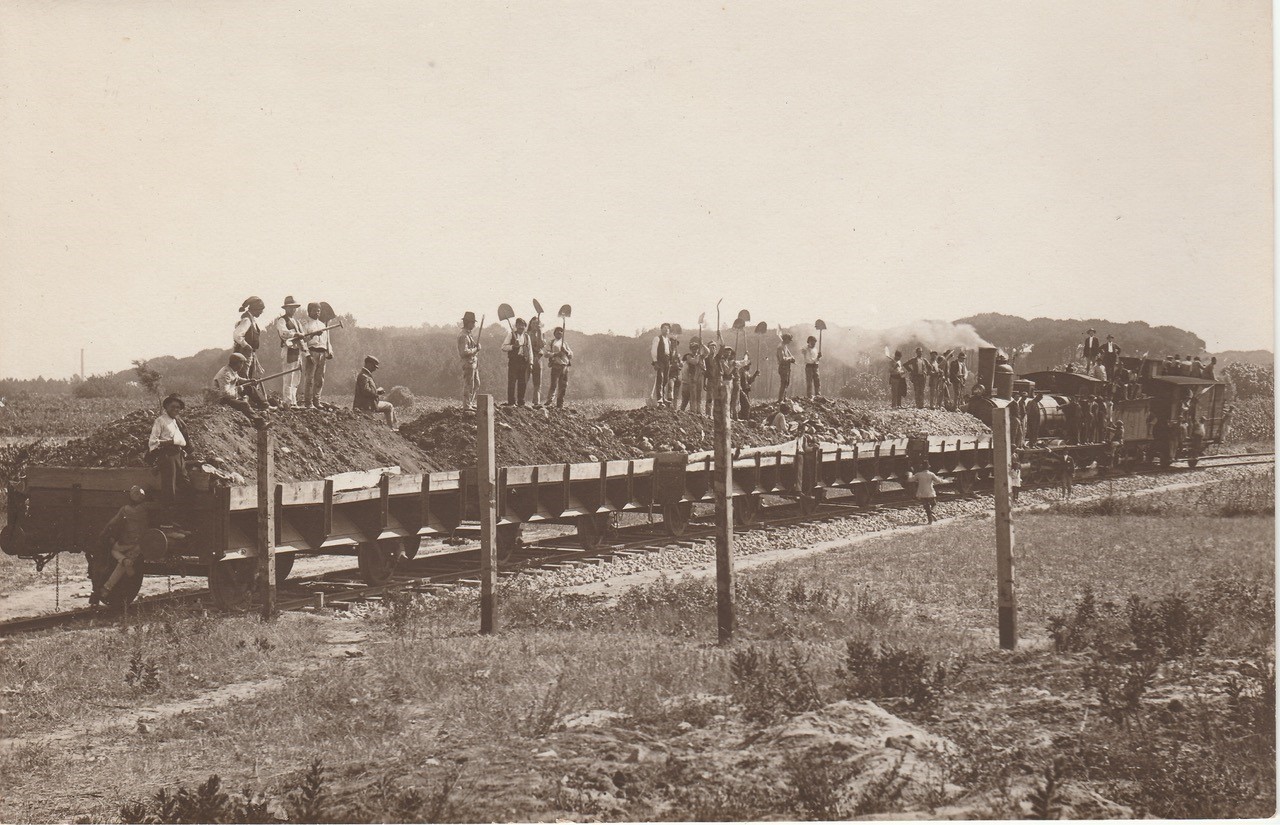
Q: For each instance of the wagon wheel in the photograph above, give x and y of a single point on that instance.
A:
(231, 583)
(746, 511)
(508, 540)
(862, 495)
(592, 528)
(377, 560)
(675, 517)
(411, 544)
(284, 565)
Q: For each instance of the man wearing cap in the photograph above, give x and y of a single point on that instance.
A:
(289, 330)
(518, 355)
(125, 530)
(812, 363)
(319, 351)
(1091, 346)
(368, 394)
(247, 335)
(230, 383)
(469, 352)
(167, 448)
(561, 357)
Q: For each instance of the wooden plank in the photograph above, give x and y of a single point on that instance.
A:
(444, 480)
(358, 479)
(90, 478)
(486, 473)
(357, 494)
(584, 472)
(267, 521)
(1007, 605)
(301, 492)
(410, 484)
(244, 498)
(521, 476)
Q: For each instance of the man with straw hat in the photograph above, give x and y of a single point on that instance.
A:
(469, 352)
(167, 448)
(289, 330)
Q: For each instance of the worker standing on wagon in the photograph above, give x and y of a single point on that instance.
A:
(1210, 368)
(661, 354)
(812, 365)
(710, 367)
(1110, 355)
(785, 360)
(897, 380)
(746, 379)
(469, 352)
(937, 381)
(125, 530)
(319, 352)
(673, 372)
(918, 370)
(247, 335)
(536, 350)
(289, 329)
(560, 357)
(1091, 346)
(167, 448)
(369, 394)
(518, 353)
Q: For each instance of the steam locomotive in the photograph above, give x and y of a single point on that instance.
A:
(1158, 413)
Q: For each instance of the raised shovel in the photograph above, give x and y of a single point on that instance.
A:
(537, 307)
(738, 326)
(506, 313)
(821, 326)
(566, 311)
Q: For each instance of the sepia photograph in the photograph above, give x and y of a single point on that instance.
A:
(580, 411)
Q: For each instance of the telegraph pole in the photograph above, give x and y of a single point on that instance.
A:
(722, 484)
(1007, 610)
(486, 479)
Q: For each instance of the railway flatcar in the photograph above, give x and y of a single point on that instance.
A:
(382, 516)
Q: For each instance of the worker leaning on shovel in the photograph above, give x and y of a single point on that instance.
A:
(125, 530)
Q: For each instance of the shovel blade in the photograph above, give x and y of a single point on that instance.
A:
(505, 312)
(702, 319)
(537, 307)
(326, 312)
(819, 324)
(566, 311)
(744, 316)
(738, 323)
(762, 328)
(676, 329)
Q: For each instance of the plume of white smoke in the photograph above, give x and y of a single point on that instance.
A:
(867, 347)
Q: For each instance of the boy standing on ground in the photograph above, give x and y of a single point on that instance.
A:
(924, 479)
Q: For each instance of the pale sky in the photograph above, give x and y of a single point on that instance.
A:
(870, 162)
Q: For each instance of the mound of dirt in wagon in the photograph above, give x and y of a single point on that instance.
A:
(661, 428)
(524, 436)
(310, 444)
(852, 421)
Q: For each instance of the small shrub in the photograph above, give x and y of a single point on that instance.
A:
(1121, 686)
(882, 671)
(768, 686)
(1045, 801)
(143, 674)
(820, 786)
(545, 712)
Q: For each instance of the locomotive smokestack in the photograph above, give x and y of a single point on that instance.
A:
(987, 368)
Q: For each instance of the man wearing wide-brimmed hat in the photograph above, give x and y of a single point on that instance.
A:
(289, 329)
(469, 352)
(1091, 345)
(167, 448)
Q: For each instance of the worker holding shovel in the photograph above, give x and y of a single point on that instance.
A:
(469, 352)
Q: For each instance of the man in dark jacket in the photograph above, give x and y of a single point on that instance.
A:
(918, 371)
(519, 355)
(369, 394)
(1091, 345)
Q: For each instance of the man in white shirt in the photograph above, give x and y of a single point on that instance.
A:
(519, 353)
(785, 360)
(812, 380)
(319, 351)
(289, 329)
(661, 354)
(231, 384)
(561, 357)
(167, 448)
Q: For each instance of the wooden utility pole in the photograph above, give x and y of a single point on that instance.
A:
(1007, 610)
(722, 484)
(266, 574)
(486, 478)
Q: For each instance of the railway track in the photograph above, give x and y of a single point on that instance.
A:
(340, 589)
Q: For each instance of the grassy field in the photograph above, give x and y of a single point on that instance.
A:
(1143, 677)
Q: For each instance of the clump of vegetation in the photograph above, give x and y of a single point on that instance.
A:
(820, 781)
(143, 674)
(885, 671)
(1172, 626)
(1246, 495)
(769, 687)
(307, 797)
